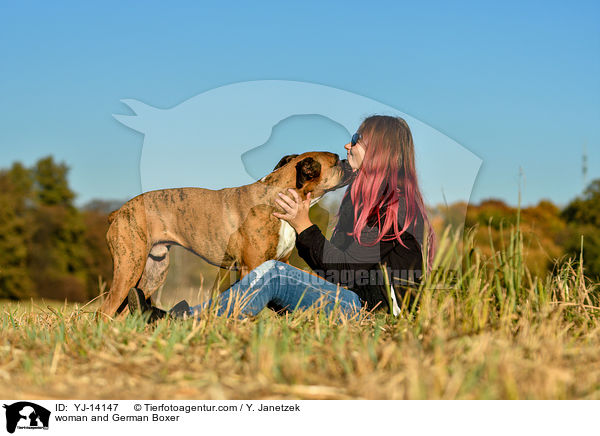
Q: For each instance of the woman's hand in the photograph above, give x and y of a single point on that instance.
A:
(296, 210)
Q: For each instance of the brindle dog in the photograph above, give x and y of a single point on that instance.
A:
(232, 227)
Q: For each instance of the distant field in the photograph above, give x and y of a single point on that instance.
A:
(484, 329)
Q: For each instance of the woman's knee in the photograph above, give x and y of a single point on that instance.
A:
(264, 267)
(267, 271)
(273, 265)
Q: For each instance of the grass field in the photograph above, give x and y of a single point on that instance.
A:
(484, 328)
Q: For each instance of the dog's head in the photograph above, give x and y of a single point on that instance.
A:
(316, 171)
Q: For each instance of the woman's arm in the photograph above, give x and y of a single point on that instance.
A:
(351, 266)
(321, 255)
(318, 252)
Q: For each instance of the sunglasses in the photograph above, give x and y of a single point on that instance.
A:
(355, 138)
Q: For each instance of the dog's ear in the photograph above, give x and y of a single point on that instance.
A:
(284, 160)
(307, 169)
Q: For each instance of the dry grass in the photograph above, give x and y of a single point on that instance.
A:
(483, 329)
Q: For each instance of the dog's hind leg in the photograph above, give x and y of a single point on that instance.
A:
(129, 249)
(155, 271)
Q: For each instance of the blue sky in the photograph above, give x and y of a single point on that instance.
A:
(516, 83)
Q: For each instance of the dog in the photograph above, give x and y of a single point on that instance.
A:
(229, 228)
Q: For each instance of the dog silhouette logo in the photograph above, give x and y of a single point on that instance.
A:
(232, 135)
(26, 415)
(229, 136)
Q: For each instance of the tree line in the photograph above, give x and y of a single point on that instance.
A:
(48, 247)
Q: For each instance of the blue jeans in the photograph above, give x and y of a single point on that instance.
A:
(287, 287)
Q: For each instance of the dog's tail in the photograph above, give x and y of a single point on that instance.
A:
(112, 216)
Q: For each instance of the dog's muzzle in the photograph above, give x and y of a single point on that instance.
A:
(347, 175)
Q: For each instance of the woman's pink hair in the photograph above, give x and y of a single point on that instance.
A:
(386, 177)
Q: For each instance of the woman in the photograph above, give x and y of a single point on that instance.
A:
(381, 223)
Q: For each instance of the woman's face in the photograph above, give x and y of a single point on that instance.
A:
(356, 154)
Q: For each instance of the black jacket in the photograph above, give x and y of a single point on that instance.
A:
(357, 267)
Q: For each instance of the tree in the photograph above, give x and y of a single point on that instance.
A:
(14, 278)
(51, 185)
(56, 250)
(98, 261)
(585, 210)
(48, 247)
(583, 218)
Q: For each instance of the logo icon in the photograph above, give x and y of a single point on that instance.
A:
(26, 415)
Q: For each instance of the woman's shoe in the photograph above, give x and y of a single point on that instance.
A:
(181, 310)
(136, 301)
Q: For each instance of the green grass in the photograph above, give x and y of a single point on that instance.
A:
(481, 328)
